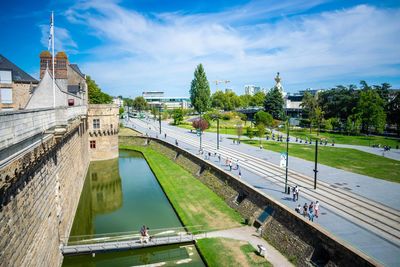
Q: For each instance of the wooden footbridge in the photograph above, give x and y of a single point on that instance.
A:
(88, 244)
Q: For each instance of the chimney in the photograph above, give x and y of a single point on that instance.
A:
(61, 62)
(45, 62)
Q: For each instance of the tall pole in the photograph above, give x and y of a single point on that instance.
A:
(287, 156)
(159, 117)
(217, 133)
(52, 47)
(316, 162)
(201, 133)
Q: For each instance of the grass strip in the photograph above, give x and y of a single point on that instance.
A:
(360, 140)
(194, 202)
(228, 252)
(352, 160)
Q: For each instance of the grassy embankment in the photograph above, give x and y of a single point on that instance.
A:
(196, 204)
(225, 126)
(343, 158)
(359, 140)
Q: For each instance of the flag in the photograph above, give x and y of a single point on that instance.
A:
(51, 34)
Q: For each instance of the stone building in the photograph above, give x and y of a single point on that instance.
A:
(103, 121)
(16, 86)
(70, 83)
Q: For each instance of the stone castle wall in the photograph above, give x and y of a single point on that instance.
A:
(291, 234)
(104, 138)
(39, 195)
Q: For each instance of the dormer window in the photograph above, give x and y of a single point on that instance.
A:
(5, 76)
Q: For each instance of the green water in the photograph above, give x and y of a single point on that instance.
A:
(121, 195)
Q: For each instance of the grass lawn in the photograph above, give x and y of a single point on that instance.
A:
(194, 202)
(229, 252)
(343, 158)
(127, 132)
(359, 140)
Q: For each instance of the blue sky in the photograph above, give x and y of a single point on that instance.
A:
(131, 46)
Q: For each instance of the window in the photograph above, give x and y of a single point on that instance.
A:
(96, 123)
(93, 144)
(6, 95)
(5, 76)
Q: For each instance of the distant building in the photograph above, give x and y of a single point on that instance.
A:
(70, 83)
(16, 86)
(252, 89)
(156, 99)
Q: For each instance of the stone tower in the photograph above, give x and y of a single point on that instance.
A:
(61, 62)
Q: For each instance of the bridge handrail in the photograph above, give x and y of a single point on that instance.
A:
(117, 236)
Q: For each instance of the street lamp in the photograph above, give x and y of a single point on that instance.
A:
(287, 155)
(216, 118)
(316, 162)
(159, 117)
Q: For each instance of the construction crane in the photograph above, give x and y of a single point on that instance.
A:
(221, 81)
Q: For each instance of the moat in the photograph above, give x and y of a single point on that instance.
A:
(121, 195)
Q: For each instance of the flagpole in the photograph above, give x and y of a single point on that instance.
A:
(52, 46)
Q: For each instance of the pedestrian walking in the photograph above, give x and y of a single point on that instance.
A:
(294, 193)
(305, 207)
(230, 165)
(219, 157)
(316, 208)
(296, 189)
(176, 142)
(310, 214)
(240, 174)
(165, 135)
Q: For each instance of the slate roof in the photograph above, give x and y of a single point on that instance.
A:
(18, 75)
(77, 70)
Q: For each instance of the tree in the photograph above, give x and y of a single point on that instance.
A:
(318, 118)
(200, 124)
(121, 110)
(227, 101)
(262, 117)
(249, 132)
(96, 96)
(139, 103)
(239, 130)
(200, 90)
(245, 100)
(274, 103)
(260, 131)
(309, 104)
(177, 115)
(394, 111)
(257, 100)
(371, 111)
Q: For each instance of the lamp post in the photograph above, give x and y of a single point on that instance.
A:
(287, 155)
(159, 117)
(216, 118)
(316, 162)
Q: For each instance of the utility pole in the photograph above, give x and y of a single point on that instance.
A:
(217, 133)
(159, 117)
(287, 156)
(201, 133)
(316, 162)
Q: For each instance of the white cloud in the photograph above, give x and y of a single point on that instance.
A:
(160, 51)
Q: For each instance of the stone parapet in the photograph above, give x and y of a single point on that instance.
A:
(16, 126)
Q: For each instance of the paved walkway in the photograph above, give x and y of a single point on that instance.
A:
(248, 233)
(355, 234)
